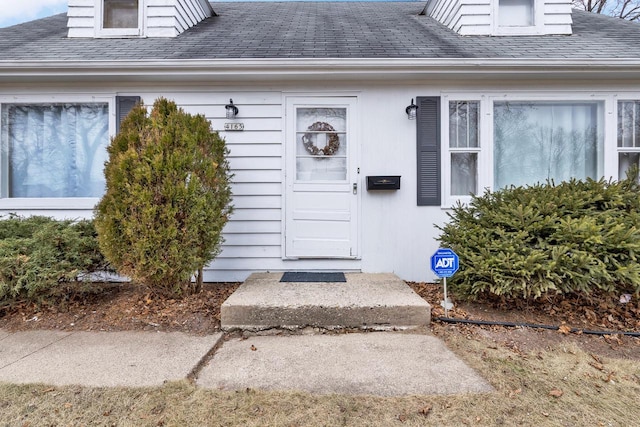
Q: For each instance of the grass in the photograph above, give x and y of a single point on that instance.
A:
(590, 391)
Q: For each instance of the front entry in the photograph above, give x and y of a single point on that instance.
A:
(321, 205)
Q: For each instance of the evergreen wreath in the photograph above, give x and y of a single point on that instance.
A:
(333, 143)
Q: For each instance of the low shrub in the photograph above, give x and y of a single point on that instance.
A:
(525, 242)
(42, 258)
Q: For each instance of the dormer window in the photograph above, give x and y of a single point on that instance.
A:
(120, 14)
(119, 18)
(515, 13)
(518, 17)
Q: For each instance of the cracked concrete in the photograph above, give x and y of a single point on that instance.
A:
(99, 359)
(367, 301)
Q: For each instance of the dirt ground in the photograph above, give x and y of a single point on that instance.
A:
(122, 307)
(597, 313)
(125, 307)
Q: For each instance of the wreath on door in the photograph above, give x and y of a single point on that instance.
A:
(333, 141)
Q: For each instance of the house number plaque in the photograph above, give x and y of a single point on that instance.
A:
(234, 126)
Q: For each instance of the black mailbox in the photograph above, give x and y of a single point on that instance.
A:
(383, 183)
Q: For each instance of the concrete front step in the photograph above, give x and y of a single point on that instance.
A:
(367, 301)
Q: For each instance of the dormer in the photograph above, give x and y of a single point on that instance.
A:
(134, 18)
(503, 17)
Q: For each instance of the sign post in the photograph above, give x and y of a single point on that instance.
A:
(445, 262)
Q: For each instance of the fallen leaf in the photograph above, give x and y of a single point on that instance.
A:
(48, 390)
(514, 393)
(596, 358)
(424, 411)
(609, 378)
(253, 347)
(598, 366)
(556, 393)
(625, 298)
(402, 418)
(68, 405)
(564, 329)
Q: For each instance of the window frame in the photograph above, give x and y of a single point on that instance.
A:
(486, 129)
(536, 28)
(118, 32)
(59, 203)
(622, 149)
(448, 198)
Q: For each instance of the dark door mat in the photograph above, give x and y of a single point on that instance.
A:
(303, 276)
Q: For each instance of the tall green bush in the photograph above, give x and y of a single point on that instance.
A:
(42, 258)
(167, 198)
(525, 242)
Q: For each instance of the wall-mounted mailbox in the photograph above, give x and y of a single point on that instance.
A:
(383, 183)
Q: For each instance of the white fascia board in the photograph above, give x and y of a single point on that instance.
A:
(328, 68)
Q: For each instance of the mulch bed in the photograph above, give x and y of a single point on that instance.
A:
(124, 307)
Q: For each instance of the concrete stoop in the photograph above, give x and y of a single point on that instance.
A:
(366, 301)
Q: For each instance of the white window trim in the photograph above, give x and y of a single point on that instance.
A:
(627, 97)
(449, 200)
(536, 28)
(610, 147)
(57, 203)
(118, 32)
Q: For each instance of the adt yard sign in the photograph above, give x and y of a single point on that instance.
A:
(444, 263)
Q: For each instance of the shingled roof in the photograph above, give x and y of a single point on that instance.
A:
(321, 30)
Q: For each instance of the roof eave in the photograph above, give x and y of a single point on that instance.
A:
(327, 68)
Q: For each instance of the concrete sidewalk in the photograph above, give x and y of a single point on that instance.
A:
(97, 359)
(381, 363)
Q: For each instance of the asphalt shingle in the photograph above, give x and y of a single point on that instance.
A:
(321, 30)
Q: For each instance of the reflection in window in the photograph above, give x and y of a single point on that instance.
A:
(54, 150)
(321, 144)
(537, 141)
(628, 136)
(120, 14)
(464, 146)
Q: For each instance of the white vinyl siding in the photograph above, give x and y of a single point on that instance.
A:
(171, 18)
(81, 18)
(253, 239)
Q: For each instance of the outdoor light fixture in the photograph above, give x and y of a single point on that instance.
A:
(232, 110)
(412, 110)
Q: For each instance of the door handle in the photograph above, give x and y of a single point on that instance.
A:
(355, 188)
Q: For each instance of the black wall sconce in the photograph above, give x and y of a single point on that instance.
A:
(232, 110)
(412, 111)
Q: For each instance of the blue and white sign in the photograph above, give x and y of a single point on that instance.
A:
(444, 262)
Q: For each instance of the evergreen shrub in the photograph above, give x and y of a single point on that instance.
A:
(570, 238)
(42, 258)
(167, 198)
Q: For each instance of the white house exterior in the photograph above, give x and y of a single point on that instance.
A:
(555, 95)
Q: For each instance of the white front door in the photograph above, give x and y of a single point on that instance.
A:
(321, 200)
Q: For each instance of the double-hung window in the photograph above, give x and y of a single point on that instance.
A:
(53, 152)
(464, 146)
(628, 136)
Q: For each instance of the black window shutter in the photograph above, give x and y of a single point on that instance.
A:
(428, 142)
(124, 104)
